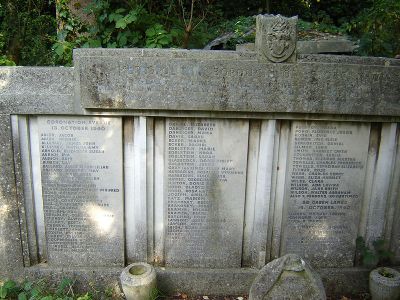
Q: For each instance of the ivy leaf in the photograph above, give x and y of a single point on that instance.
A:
(115, 17)
(9, 284)
(120, 10)
(164, 40)
(151, 32)
(59, 49)
(22, 296)
(3, 292)
(132, 17)
(121, 23)
(35, 293)
(103, 17)
(123, 40)
(94, 43)
(112, 45)
(28, 286)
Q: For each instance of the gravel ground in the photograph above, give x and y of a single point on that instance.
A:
(180, 296)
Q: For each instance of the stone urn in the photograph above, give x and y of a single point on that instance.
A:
(138, 281)
(384, 284)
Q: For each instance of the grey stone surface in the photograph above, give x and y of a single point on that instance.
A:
(24, 90)
(247, 47)
(378, 192)
(232, 81)
(352, 60)
(338, 45)
(206, 163)
(81, 172)
(395, 238)
(288, 277)
(276, 38)
(324, 190)
(11, 259)
(23, 179)
(138, 281)
(383, 287)
(344, 281)
(29, 90)
(196, 281)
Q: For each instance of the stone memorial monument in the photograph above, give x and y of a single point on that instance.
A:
(205, 164)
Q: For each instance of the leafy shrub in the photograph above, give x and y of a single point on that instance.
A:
(26, 31)
(378, 28)
(378, 256)
(39, 290)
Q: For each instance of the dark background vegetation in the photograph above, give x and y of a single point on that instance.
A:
(42, 32)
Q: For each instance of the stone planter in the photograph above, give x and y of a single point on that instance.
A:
(138, 281)
(383, 287)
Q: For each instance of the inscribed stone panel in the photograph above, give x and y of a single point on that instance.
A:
(324, 191)
(206, 175)
(81, 170)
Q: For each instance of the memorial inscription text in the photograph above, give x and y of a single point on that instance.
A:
(82, 189)
(324, 191)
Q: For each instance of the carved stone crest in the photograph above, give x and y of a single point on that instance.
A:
(276, 38)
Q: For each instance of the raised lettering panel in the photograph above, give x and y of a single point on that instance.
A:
(324, 191)
(205, 190)
(81, 170)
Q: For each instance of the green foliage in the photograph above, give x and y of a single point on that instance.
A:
(5, 61)
(337, 12)
(26, 31)
(386, 273)
(243, 29)
(158, 37)
(156, 294)
(31, 35)
(321, 27)
(39, 290)
(117, 25)
(377, 256)
(378, 28)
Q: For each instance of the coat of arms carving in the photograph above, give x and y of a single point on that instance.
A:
(276, 38)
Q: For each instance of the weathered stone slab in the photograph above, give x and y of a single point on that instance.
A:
(337, 45)
(11, 259)
(29, 90)
(81, 171)
(232, 81)
(206, 177)
(324, 190)
(287, 277)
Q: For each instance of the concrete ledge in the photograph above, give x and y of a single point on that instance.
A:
(147, 79)
(326, 46)
(206, 281)
(29, 90)
(337, 281)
